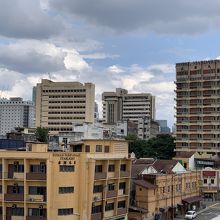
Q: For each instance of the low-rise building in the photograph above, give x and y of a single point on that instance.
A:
(163, 188)
(90, 182)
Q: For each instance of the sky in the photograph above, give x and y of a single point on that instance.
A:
(131, 44)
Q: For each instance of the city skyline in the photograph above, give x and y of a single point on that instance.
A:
(133, 47)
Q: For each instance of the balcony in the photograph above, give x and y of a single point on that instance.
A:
(36, 176)
(14, 197)
(121, 211)
(111, 194)
(36, 198)
(96, 216)
(124, 174)
(100, 175)
(36, 218)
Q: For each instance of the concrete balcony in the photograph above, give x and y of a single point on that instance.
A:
(17, 217)
(36, 176)
(14, 197)
(101, 175)
(124, 174)
(111, 194)
(96, 216)
(18, 176)
(121, 211)
(36, 198)
(36, 218)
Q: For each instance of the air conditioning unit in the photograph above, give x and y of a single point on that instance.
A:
(40, 207)
(14, 206)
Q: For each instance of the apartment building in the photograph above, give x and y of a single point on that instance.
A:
(16, 113)
(198, 106)
(163, 189)
(121, 105)
(91, 182)
(60, 104)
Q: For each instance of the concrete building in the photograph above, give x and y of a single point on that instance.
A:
(16, 113)
(89, 183)
(147, 128)
(121, 105)
(164, 129)
(60, 104)
(198, 106)
(162, 189)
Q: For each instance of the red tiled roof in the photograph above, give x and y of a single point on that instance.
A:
(144, 161)
(164, 166)
(184, 154)
(137, 168)
(145, 184)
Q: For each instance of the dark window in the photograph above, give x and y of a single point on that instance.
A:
(36, 212)
(121, 204)
(18, 168)
(111, 168)
(106, 149)
(68, 189)
(37, 190)
(17, 211)
(97, 188)
(111, 187)
(98, 168)
(205, 181)
(17, 189)
(38, 168)
(97, 209)
(122, 185)
(87, 148)
(212, 181)
(109, 206)
(98, 148)
(123, 167)
(67, 168)
(65, 211)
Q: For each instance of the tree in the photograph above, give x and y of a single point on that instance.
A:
(42, 134)
(161, 147)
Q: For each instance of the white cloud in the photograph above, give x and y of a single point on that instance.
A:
(100, 56)
(115, 69)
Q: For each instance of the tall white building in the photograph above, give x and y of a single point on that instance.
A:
(16, 113)
(121, 105)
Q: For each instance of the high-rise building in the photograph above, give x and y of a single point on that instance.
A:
(16, 113)
(121, 105)
(60, 104)
(198, 106)
(164, 129)
(92, 182)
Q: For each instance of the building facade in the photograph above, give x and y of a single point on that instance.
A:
(16, 113)
(164, 129)
(89, 183)
(60, 104)
(198, 106)
(121, 105)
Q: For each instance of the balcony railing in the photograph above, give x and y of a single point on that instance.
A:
(101, 175)
(111, 194)
(121, 211)
(96, 216)
(14, 197)
(124, 173)
(36, 176)
(36, 218)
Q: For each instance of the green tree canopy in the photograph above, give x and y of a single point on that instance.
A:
(42, 134)
(161, 147)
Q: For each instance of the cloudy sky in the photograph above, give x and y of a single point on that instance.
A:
(133, 44)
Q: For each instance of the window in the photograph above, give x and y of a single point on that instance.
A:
(68, 189)
(97, 209)
(111, 187)
(18, 168)
(212, 181)
(36, 212)
(205, 181)
(111, 168)
(98, 168)
(98, 148)
(68, 211)
(122, 185)
(17, 211)
(37, 190)
(106, 149)
(123, 167)
(67, 168)
(97, 188)
(87, 148)
(38, 168)
(121, 204)
(109, 206)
